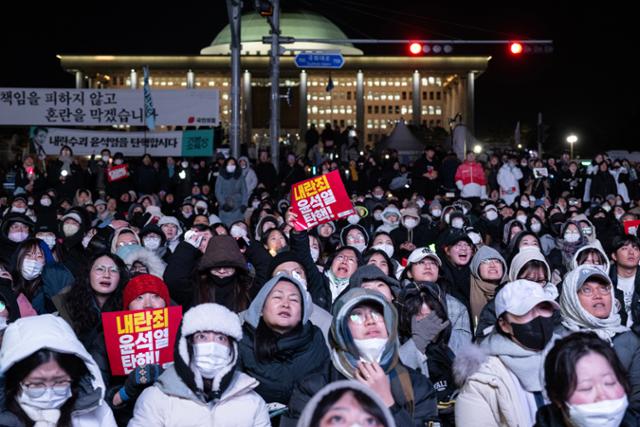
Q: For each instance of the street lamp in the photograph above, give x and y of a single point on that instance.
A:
(572, 139)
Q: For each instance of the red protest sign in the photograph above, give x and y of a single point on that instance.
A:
(319, 200)
(631, 227)
(116, 173)
(140, 337)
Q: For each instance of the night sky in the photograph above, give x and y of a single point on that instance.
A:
(587, 85)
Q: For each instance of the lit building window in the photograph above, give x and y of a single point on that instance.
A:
(432, 80)
(425, 82)
(438, 81)
(431, 110)
(438, 109)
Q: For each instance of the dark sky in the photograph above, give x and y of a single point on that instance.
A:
(587, 85)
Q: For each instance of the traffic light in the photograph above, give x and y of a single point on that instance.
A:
(264, 7)
(417, 48)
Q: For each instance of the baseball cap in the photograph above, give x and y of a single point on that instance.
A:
(420, 253)
(520, 296)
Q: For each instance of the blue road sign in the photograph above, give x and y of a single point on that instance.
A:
(319, 60)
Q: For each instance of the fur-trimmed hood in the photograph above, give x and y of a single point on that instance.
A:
(131, 254)
(467, 362)
(117, 233)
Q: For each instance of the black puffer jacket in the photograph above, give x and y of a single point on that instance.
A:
(316, 281)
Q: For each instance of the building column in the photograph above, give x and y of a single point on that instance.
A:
(416, 99)
(446, 99)
(470, 102)
(302, 110)
(247, 108)
(79, 79)
(360, 125)
(191, 79)
(133, 77)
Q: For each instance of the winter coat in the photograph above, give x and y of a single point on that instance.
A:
(482, 291)
(603, 184)
(178, 274)
(8, 247)
(147, 179)
(471, 180)
(299, 353)
(250, 178)
(317, 283)
(508, 178)
(169, 402)
(231, 192)
(26, 336)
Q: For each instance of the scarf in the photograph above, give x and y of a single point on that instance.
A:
(526, 365)
(481, 293)
(42, 417)
(336, 285)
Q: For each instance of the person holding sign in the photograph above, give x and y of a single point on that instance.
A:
(203, 387)
(49, 377)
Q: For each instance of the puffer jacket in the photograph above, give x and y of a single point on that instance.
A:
(26, 336)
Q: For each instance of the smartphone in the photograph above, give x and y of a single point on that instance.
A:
(450, 195)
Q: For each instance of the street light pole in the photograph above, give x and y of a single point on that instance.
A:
(234, 9)
(572, 139)
(274, 124)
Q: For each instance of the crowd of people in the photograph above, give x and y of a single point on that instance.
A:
(498, 291)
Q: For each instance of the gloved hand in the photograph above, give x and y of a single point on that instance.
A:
(426, 330)
(139, 379)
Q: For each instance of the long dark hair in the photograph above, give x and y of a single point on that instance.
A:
(410, 303)
(240, 282)
(20, 285)
(77, 302)
(70, 363)
(368, 405)
(560, 365)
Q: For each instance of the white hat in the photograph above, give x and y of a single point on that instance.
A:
(520, 296)
(418, 254)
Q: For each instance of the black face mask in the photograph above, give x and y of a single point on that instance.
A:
(534, 334)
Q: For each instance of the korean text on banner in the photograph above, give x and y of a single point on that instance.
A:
(319, 200)
(141, 337)
(631, 227)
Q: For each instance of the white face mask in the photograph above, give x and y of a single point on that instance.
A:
(420, 203)
(70, 229)
(231, 168)
(522, 219)
(618, 216)
(210, 358)
(360, 247)
(118, 161)
(525, 203)
(571, 237)
(49, 399)
(152, 243)
(315, 254)
(18, 236)
(387, 248)
(371, 349)
(45, 202)
(18, 210)
(457, 223)
(238, 232)
(536, 227)
(105, 159)
(187, 214)
(378, 196)
(31, 269)
(353, 219)
(299, 278)
(436, 213)
(491, 215)
(446, 218)
(410, 223)
(475, 238)
(377, 216)
(184, 165)
(607, 413)
(49, 240)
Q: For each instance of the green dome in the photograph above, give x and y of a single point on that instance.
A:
(292, 24)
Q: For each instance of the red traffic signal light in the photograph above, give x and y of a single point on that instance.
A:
(415, 48)
(515, 48)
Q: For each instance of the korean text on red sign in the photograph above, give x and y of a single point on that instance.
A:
(319, 200)
(141, 337)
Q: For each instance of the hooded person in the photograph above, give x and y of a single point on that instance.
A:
(412, 233)
(365, 347)
(591, 254)
(371, 277)
(501, 380)
(171, 230)
(231, 192)
(124, 236)
(280, 346)
(15, 228)
(568, 242)
(587, 304)
(355, 235)
(45, 348)
(587, 227)
(488, 272)
(528, 264)
(249, 175)
(363, 406)
(141, 260)
(153, 239)
(204, 385)
(390, 219)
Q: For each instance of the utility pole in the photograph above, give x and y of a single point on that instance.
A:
(234, 9)
(540, 135)
(274, 124)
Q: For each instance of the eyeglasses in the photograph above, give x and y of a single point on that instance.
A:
(359, 317)
(355, 239)
(490, 261)
(344, 258)
(102, 269)
(428, 262)
(36, 390)
(121, 244)
(588, 291)
(462, 245)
